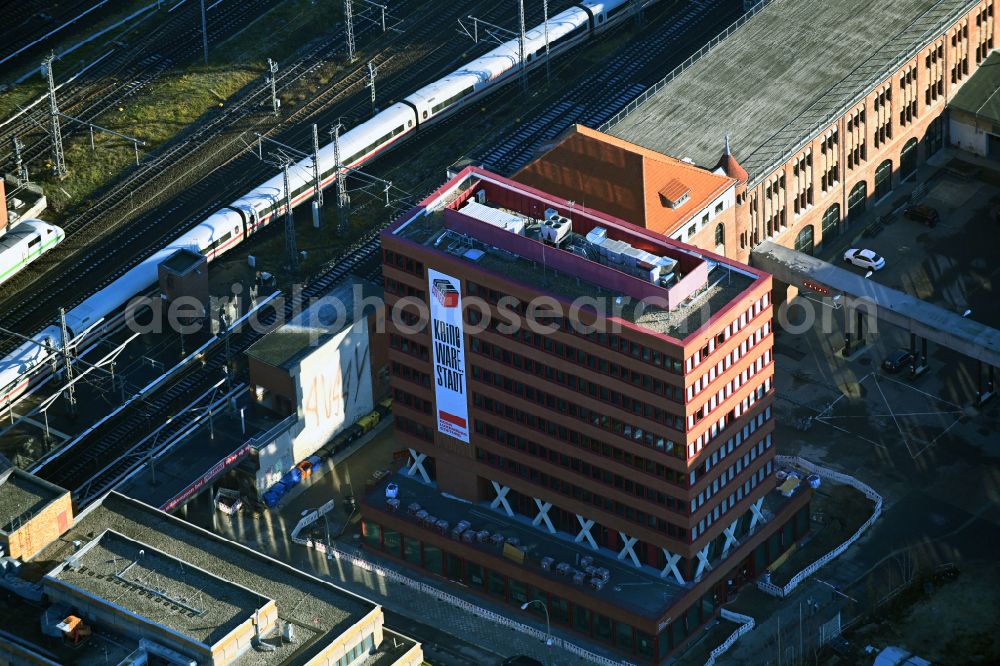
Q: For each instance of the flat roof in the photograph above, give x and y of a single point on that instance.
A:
(638, 590)
(782, 77)
(718, 282)
(160, 588)
(183, 260)
(980, 95)
(320, 610)
(23, 495)
(324, 318)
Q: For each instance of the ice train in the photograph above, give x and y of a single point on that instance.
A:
(105, 310)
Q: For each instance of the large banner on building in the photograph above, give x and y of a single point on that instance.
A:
(449, 355)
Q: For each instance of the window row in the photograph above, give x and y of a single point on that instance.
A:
(554, 375)
(734, 327)
(723, 507)
(408, 346)
(732, 444)
(583, 494)
(731, 472)
(411, 374)
(728, 360)
(585, 443)
(418, 430)
(705, 438)
(403, 262)
(734, 385)
(557, 404)
(403, 289)
(586, 470)
(412, 401)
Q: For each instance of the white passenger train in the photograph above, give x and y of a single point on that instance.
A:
(105, 310)
(25, 242)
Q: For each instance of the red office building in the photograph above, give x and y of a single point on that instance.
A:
(588, 411)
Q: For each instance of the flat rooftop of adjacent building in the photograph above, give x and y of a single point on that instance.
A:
(183, 261)
(639, 590)
(978, 96)
(168, 485)
(505, 254)
(23, 495)
(159, 587)
(782, 77)
(320, 611)
(320, 321)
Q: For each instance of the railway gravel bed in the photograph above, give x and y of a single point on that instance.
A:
(185, 182)
(116, 438)
(125, 72)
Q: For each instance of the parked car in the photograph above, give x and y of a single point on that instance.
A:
(521, 660)
(923, 213)
(864, 259)
(898, 360)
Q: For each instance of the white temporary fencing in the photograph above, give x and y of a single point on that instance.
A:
(746, 624)
(838, 477)
(395, 576)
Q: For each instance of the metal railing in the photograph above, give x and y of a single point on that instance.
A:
(868, 491)
(676, 71)
(746, 625)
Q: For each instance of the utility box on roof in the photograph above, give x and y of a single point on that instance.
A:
(184, 274)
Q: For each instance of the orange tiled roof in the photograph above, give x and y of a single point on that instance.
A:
(622, 179)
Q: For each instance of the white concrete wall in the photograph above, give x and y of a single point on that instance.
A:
(968, 138)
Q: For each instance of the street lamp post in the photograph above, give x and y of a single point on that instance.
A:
(548, 625)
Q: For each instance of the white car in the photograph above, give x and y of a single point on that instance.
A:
(865, 259)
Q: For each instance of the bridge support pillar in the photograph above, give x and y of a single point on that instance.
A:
(985, 389)
(918, 365)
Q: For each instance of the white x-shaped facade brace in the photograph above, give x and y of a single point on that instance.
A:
(730, 533)
(758, 515)
(703, 564)
(417, 465)
(629, 549)
(501, 498)
(671, 566)
(543, 515)
(584, 532)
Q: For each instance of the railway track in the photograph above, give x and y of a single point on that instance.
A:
(79, 471)
(27, 23)
(172, 192)
(126, 71)
(617, 82)
(84, 466)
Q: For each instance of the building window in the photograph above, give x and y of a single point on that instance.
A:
(804, 241)
(831, 222)
(908, 159)
(720, 234)
(883, 180)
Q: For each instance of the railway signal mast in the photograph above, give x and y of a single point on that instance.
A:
(349, 30)
(58, 158)
(372, 73)
(545, 23)
(293, 255)
(67, 363)
(318, 183)
(343, 198)
(524, 64)
(204, 31)
(272, 67)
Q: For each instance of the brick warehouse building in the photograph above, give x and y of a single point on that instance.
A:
(834, 119)
(623, 476)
